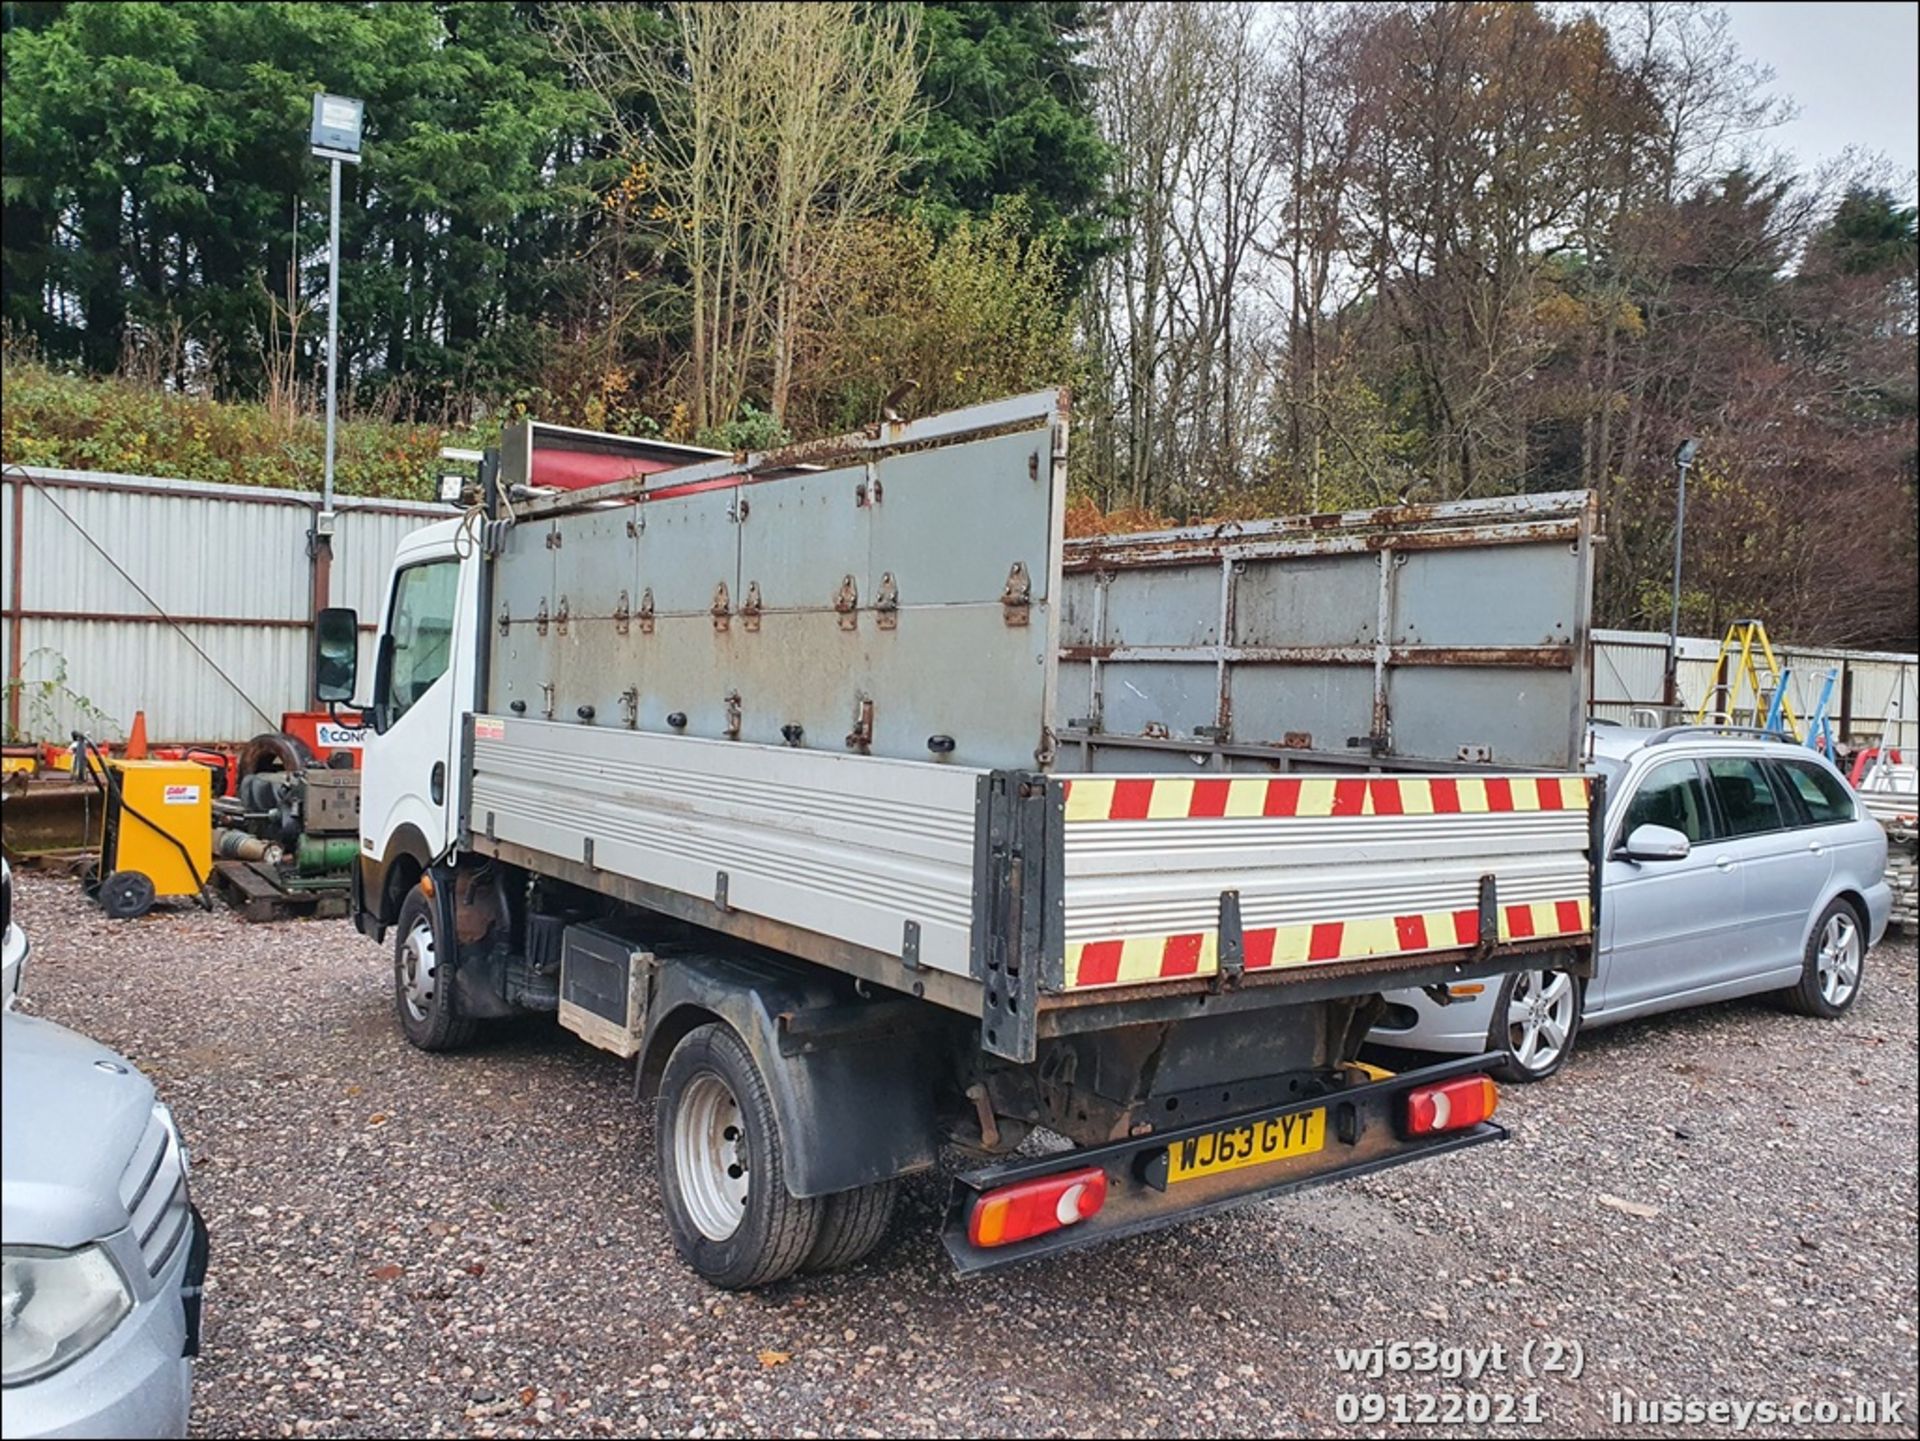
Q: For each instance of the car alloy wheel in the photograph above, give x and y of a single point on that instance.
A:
(1838, 959)
(1541, 1009)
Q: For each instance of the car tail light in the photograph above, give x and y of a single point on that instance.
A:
(1451, 1106)
(1033, 1208)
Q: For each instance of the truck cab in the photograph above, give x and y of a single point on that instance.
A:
(424, 661)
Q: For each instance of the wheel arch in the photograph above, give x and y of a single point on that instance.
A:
(848, 1113)
(384, 883)
(1854, 901)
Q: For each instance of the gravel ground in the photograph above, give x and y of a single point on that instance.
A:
(414, 1245)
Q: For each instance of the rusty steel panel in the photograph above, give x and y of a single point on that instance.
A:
(1453, 633)
(900, 604)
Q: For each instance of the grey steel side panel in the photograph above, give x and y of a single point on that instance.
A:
(858, 609)
(846, 846)
(1451, 634)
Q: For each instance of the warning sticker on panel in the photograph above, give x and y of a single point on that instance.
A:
(489, 728)
(180, 796)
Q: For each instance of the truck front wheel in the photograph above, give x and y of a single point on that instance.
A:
(423, 979)
(722, 1176)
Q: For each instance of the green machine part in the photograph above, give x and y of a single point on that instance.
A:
(320, 855)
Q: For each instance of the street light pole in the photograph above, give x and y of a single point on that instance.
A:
(333, 336)
(1683, 462)
(335, 138)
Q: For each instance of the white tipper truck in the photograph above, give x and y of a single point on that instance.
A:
(875, 821)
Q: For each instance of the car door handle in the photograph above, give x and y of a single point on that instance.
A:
(1725, 863)
(437, 782)
(1815, 847)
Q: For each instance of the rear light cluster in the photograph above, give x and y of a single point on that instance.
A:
(1451, 1106)
(1032, 1208)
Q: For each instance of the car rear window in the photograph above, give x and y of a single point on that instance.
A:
(1823, 793)
(1745, 796)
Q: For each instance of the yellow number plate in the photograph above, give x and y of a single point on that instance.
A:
(1300, 1134)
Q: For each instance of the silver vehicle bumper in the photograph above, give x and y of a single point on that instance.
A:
(1415, 1021)
(136, 1383)
(1880, 901)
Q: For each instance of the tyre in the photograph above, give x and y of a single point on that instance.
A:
(1535, 1023)
(1835, 965)
(422, 983)
(852, 1223)
(722, 1178)
(125, 895)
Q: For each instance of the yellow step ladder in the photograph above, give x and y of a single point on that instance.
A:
(1737, 669)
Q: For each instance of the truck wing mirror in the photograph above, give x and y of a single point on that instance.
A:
(337, 653)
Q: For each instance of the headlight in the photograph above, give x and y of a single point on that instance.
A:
(55, 1306)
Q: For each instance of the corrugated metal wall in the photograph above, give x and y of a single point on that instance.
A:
(227, 563)
(1629, 671)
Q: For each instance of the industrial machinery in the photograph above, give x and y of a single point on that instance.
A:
(286, 838)
(156, 833)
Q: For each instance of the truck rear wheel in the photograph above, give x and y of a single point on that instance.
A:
(423, 981)
(852, 1223)
(722, 1176)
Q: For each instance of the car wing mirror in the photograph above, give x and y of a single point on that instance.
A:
(1657, 843)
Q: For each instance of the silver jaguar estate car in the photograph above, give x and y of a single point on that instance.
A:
(1736, 864)
(104, 1253)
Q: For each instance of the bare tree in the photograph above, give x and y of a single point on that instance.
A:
(770, 129)
(1176, 322)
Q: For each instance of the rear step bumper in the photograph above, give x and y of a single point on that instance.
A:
(1363, 1133)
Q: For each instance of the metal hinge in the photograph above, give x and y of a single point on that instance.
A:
(750, 607)
(733, 715)
(722, 607)
(622, 613)
(1231, 948)
(540, 620)
(846, 601)
(860, 738)
(886, 603)
(506, 619)
(1017, 599)
(561, 616)
(646, 611)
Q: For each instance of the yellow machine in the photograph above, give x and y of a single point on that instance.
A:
(157, 840)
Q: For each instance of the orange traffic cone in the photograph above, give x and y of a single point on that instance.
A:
(137, 738)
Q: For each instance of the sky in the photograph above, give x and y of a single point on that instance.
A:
(1853, 70)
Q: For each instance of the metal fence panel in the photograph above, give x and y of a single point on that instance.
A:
(96, 565)
(1629, 675)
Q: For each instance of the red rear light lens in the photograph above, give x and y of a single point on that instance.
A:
(1452, 1106)
(1033, 1208)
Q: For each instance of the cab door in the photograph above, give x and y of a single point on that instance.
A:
(1666, 926)
(422, 677)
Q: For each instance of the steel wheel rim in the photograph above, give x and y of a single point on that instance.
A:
(1838, 960)
(710, 1156)
(1540, 1013)
(419, 970)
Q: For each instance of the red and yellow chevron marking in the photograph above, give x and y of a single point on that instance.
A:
(1172, 798)
(1134, 959)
